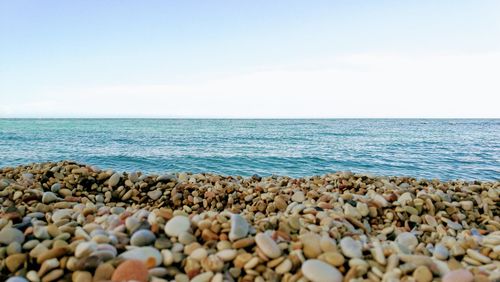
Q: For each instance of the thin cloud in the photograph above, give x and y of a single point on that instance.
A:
(359, 85)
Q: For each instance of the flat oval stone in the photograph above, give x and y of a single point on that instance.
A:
(142, 237)
(177, 225)
(351, 248)
(9, 235)
(267, 245)
(148, 255)
(239, 227)
(319, 271)
(459, 275)
(114, 179)
(131, 270)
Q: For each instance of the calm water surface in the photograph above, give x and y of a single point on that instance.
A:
(445, 149)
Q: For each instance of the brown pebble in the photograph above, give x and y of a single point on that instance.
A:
(131, 270)
(52, 253)
(13, 262)
(104, 272)
(243, 243)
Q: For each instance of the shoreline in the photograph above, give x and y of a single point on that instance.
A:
(67, 221)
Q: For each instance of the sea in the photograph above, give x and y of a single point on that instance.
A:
(446, 149)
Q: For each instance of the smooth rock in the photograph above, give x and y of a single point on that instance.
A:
(14, 262)
(267, 245)
(311, 244)
(104, 272)
(114, 179)
(177, 225)
(48, 197)
(84, 249)
(16, 279)
(150, 256)
(239, 227)
(351, 211)
(441, 252)
(81, 276)
(9, 235)
(131, 270)
(422, 274)
(298, 197)
(351, 248)
(319, 271)
(142, 237)
(155, 194)
(408, 240)
(459, 275)
(55, 187)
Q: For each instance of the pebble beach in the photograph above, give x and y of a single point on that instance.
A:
(66, 221)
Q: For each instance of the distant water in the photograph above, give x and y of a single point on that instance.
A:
(444, 149)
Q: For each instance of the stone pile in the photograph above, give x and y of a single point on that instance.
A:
(70, 222)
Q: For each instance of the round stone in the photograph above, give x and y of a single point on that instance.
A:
(55, 187)
(298, 197)
(142, 237)
(177, 225)
(9, 235)
(318, 271)
(351, 248)
(155, 194)
(267, 245)
(48, 197)
(131, 270)
(408, 240)
(422, 274)
(459, 275)
(441, 252)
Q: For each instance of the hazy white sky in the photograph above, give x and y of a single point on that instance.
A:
(308, 59)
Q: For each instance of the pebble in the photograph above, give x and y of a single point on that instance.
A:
(267, 245)
(131, 270)
(81, 276)
(114, 180)
(55, 187)
(14, 262)
(104, 272)
(239, 227)
(441, 252)
(351, 248)
(177, 225)
(49, 197)
(207, 227)
(318, 271)
(155, 194)
(459, 275)
(311, 244)
(142, 237)
(407, 240)
(16, 279)
(422, 274)
(298, 197)
(150, 256)
(9, 235)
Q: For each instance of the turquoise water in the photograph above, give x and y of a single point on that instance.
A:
(444, 149)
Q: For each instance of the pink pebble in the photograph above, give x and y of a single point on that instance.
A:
(459, 275)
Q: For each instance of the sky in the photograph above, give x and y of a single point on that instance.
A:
(250, 59)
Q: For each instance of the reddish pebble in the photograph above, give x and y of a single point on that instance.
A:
(131, 270)
(459, 275)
